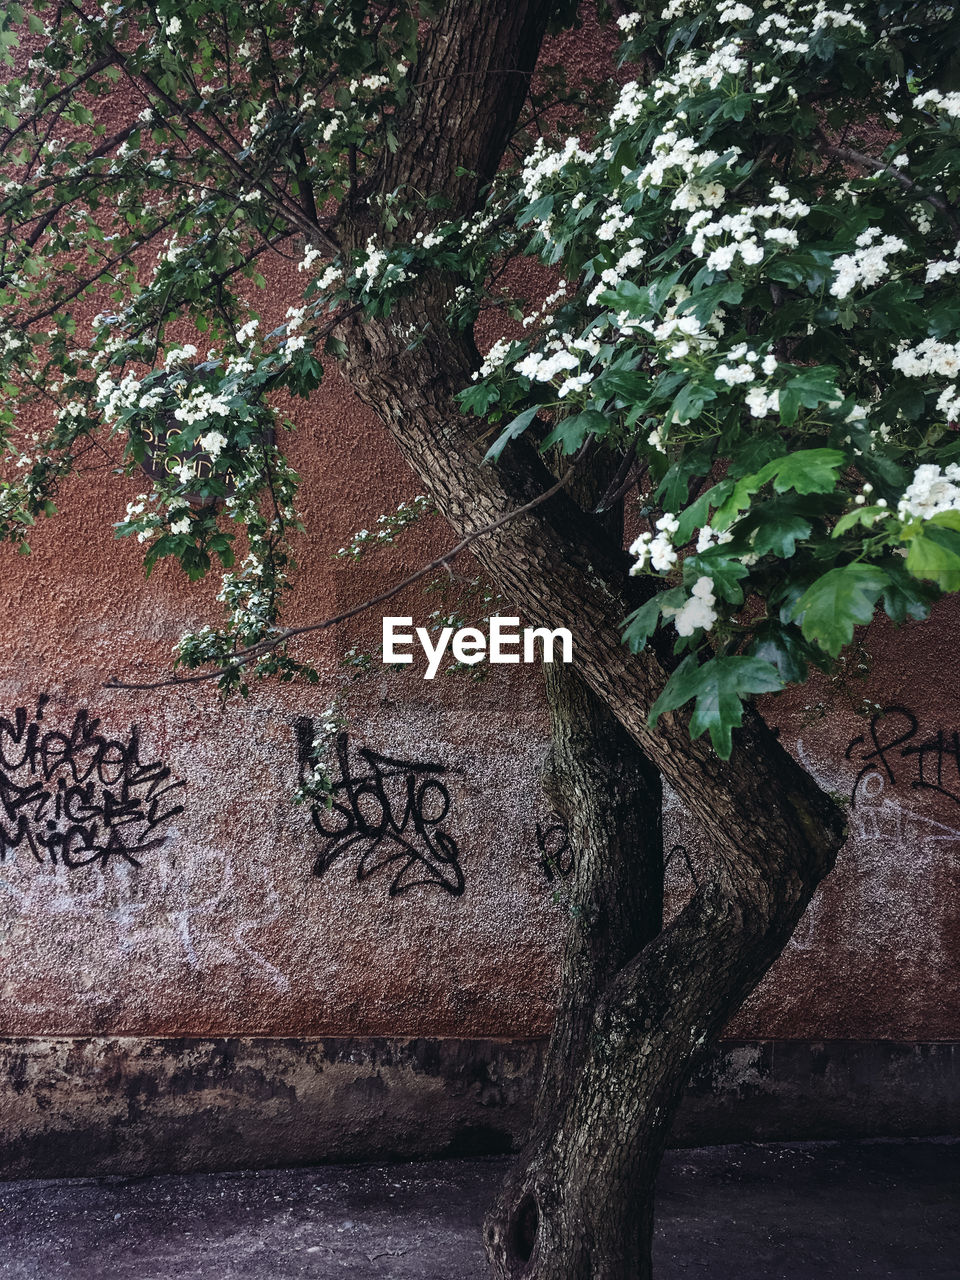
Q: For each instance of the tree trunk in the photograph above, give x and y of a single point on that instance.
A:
(635, 1011)
(580, 1204)
(639, 1004)
(611, 799)
(584, 1206)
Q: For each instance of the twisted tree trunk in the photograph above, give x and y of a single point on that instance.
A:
(611, 798)
(638, 1003)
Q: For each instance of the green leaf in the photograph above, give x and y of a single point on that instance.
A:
(809, 387)
(695, 516)
(736, 502)
(777, 530)
(726, 571)
(511, 431)
(705, 302)
(642, 623)
(719, 687)
(628, 385)
(838, 601)
(736, 108)
(539, 210)
(806, 471)
(626, 297)
(689, 401)
(904, 597)
(784, 648)
(674, 488)
(475, 399)
(860, 515)
(934, 554)
(570, 433)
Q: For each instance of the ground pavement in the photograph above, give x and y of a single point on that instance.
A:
(807, 1211)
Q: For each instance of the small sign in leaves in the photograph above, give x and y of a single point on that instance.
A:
(163, 457)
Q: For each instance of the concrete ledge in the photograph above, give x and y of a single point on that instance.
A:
(804, 1090)
(136, 1105)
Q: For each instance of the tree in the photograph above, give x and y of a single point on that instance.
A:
(755, 324)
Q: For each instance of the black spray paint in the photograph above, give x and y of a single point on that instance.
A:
(77, 797)
(891, 748)
(388, 813)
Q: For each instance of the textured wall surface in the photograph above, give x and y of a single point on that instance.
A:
(132, 1106)
(196, 913)
(204, 915)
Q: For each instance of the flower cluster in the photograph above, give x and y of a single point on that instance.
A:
(930, 492)
(696, 613)
(389, 528)
(932, 358)
(866, 266)
(544, 163)
(316, 784)
(769, 329)
(561, 355)
(657, 548)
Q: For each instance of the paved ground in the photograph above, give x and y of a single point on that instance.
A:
(819, 1211)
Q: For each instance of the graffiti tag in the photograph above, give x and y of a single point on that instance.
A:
(390, 813)
(78, 797)
(893, 748)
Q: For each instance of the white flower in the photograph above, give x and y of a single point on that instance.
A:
(709, 537)
(732, 374)
(761, 403)
(735, 13)
(213, 443)
(293, 345)
(868, 265)
(931, 491)
(246, 331)
(310, 255)
(181, 526)
(696, 612)
(928, 357)
(948, 103)
(721, 259)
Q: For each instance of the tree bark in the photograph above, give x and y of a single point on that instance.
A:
(586, 1206)
(611, 798)
(639, 1004)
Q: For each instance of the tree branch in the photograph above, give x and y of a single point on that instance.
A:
(293, 213)
(883, 166)
(263, 647)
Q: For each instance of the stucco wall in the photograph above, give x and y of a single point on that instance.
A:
(223, 929)
(209, 921)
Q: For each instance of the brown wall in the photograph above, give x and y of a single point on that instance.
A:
(223, 929)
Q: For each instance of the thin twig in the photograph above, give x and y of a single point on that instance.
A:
(883, 166)
(263, 647)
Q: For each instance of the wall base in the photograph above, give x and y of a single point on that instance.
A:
(138, 1105)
